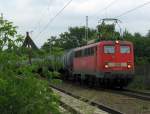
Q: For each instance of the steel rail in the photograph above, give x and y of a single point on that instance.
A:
(93, 103)
(136, 94)
(126, 92)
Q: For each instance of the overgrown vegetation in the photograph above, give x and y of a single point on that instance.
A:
(21, 92)
(139, 84)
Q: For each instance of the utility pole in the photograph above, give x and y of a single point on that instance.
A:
(1, 18)
(86, 29)
(2, 15)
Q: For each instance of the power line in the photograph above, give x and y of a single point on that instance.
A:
(131, 10)
(53, 18)
(108, 6)
(42, 14)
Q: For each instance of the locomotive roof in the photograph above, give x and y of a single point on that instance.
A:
(101, 42)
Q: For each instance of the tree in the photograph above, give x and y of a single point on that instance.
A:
(108, 32)
(137, 35)
(75, 37)
(8, 35)
(127, 34)
(148, 34)
(49, 44)
(21, 92)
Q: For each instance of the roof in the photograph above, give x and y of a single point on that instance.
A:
(29, 42)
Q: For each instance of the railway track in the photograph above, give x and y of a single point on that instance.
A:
(131, 99)
(139, 92)
(130, 93)
(92, 103)
(135, 94)
(76, 106)
(115, 99)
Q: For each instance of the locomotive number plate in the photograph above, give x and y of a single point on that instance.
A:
(117, 64)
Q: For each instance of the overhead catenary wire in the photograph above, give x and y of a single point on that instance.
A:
(41, 16)
(133, 9)
(106, 7)
(53, 18)
(109, 5)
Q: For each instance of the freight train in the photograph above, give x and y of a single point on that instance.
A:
(106, 63)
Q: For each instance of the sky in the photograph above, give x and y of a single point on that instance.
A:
(34, 15)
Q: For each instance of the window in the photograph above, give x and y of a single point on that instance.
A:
(92, 51)
(109, 49)
(89, 51)
(86, 52)
(124, 49)
(78, 53)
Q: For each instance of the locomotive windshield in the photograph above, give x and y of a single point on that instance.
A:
(109, 49)
(124, 49)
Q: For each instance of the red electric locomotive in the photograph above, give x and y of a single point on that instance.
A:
(109, 63)
(105, 63)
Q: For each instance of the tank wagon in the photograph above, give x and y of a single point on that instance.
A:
(109, 63)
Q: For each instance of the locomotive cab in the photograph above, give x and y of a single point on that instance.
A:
(118, 56)
(117, 59)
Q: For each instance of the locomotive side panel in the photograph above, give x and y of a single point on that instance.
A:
(85, 61)
(84, 64)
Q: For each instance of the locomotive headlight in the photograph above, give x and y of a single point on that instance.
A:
(117, 42)
(106, 66)
(129, 66)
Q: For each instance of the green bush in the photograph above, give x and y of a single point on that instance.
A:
(138, 84)
(21, 92)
